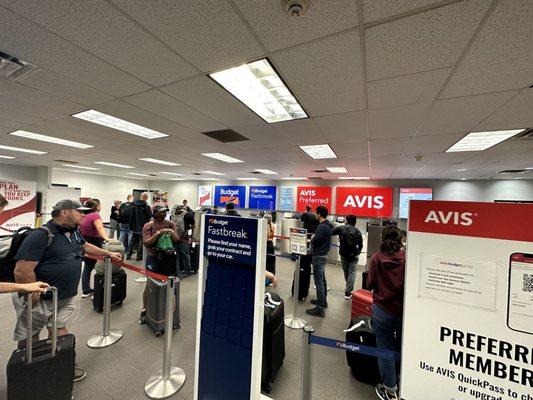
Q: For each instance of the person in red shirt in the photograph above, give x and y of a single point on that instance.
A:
(386, 277)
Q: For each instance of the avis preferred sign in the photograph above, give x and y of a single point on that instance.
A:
(364, 201)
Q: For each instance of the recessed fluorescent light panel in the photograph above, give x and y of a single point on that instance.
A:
(99, 118)
(357, 178)
(337, 170)
(266, 171)
(222, 157)
(109, 164)
(213, 173)
(261, 89)
(205, 179)
(170, 173)
(77, 171)
(478, 141)
(295, 178)
(136, 174)
(156, 161)
(22, 150)
(81, 167)
(319, 151)
(50, 139)
(7, 157)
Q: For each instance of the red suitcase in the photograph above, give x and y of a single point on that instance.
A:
(361, 303)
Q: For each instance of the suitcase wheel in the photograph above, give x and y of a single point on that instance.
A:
(267, 389)
(159, 333)
(119, 303)
(176, 326)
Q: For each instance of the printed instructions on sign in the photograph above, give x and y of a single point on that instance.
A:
(458, 280)
(226, 249)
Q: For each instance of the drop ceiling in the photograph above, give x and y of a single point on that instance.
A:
(389, 85)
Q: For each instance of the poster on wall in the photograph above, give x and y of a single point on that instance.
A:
(468, 307)
(262, 197)
(408, 194)
(20, 211)
(313, 196)
(233, 194)
(205, 195)
(286, 198)
(373, 202)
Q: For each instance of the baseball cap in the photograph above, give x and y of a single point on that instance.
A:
(160, 208)
(69, 205)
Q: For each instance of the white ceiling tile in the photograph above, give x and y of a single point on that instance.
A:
(206, 96)
(208, 33)
(432, 144)
(408, 89)
(462, 114)
(25, 39)
(396, 122)
(378, 9)
(430, 40)
(325, 76)
(277, 30)
(162, 104)
(346, 127)
(517, 113)
(91, 24)
(300, 132)
(261, 136)
(349, 150)
(388, 146)
(501, 58)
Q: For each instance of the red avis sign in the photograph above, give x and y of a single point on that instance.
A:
(313, 196)
(475, 219)
(364, 201)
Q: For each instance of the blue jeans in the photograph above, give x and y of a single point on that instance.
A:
(349, 267)
(183, 258)
(388, 330)
(135, 238)
(319, 275)
(124, 234)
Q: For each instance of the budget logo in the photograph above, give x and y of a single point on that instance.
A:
(450, 217)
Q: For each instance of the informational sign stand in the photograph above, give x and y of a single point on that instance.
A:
(298, 245)
(231, 287)
(468, 316)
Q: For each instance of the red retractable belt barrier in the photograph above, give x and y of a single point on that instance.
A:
(141, 271)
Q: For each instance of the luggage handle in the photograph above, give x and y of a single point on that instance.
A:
(354, 327)
(29, 324)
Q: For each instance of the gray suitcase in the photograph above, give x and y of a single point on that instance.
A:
(155, 305)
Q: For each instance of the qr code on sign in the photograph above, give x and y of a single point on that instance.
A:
(528, 283)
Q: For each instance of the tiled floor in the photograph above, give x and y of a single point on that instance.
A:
(119, 372)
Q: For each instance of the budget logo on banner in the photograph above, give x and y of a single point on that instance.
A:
(313, 196)
(205, 195)
(233, 194)
(364, 201)
(262, 197)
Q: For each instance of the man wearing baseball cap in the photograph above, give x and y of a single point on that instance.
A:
(53, 254)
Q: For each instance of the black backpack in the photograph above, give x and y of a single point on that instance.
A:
(7, 263)
(124, 213)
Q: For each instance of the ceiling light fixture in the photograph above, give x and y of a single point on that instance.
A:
(7, 157)
(97, 117)
(294, 178)
(260, 88)
(78, 172)
(478, 141)
(205, 179)
(246, 179)
(156, 161)
(22, 150)
(266, 171)
(337, 170)
(357, 178)
(81, 167)
(222, 157)
(50, 139)
(113, 164)
(462, 169)
(319, 151)
(213, 173)
(136, 174)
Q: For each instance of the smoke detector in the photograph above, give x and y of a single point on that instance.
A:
(295, 8)
(418, 157)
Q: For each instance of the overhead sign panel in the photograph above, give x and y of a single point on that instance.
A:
(205, 195)
(233, 194)
(286, 198)
(408, 194)
(262, 197)
(313, 196)
(364, 201)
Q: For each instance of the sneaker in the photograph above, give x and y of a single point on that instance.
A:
(384, 394)
(315, 301)
(347, 295)
(142, 317)
(87, 294)
(316, 312)
(79, 373)
(327, 289)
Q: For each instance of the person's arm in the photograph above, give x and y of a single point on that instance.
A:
(29, 255)
(151, 240)
(360, 242)
(97, 251)
(336, 231)
(99, 226)
(8, 287)
(270, 276)
(372, 279)
(173, 233)
(319, 235)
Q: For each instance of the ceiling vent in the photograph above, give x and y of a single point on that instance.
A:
(67, 161)
(514, 171)
(226, 136)
(254, 172)
(196, 173)
(524, 135)
(320, 171)
(152, 174)
(13, 68)
(314, 178)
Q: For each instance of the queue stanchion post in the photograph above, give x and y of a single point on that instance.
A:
(307, 364)
(142, 279)
(170, 379)
(294, 321)
(108, 336)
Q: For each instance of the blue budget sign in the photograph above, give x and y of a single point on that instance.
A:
(231, 239)
(233, 194)
(262, 197)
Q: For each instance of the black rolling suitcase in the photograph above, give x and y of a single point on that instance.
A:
(48, 376)
(119, 283)
(305, 277)
(156, 304)
(364, 368)
(273, 341)
(195, 258)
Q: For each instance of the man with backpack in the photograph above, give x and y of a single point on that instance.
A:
(53, 254)
(139, 214)
(351, 243)
(124, 220)
(184, 220)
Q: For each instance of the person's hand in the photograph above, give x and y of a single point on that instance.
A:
(34, 287)
(115, 256)
(274, 282)
(35, 298)
(166, 230)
